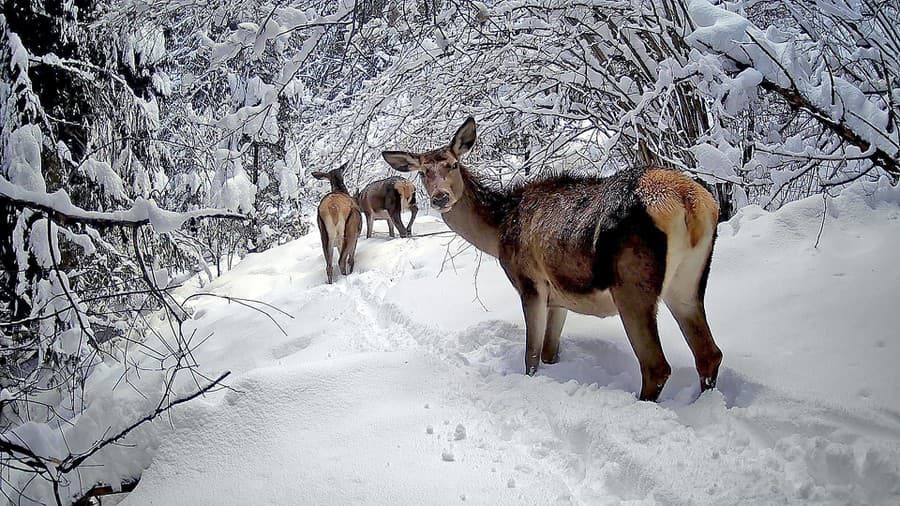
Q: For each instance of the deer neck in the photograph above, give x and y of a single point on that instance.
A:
(477, 215)
(338, 186)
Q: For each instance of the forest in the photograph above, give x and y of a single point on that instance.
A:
(168, 334)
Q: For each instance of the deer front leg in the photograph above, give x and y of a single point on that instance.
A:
(390, 223)
(534, 305)
(413, 209)
(368, 224)
(556, 318)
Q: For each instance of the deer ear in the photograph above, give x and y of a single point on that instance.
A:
(343, 167)
(401, 160)
(319, 175)
(464, 138)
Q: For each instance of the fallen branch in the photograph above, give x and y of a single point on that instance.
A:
(101, 490)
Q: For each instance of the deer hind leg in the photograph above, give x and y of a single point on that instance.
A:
(348, 246)
(638, 312)
(343, 256)
(395, 217)
(357, 228)
(534, 305)
(636, 292)
(413, 209)
(684, 299)
(326, 249)
(556, 318)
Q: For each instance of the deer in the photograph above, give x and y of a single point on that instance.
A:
(592, 245)
(384, 200)
(339, 222)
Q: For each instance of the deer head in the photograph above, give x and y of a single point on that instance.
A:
(439, 168)
(335, 177)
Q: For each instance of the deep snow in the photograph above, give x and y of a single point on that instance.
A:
(397, 385)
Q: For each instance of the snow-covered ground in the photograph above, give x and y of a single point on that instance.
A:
(403, 384)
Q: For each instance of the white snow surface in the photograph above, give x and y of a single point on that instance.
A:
(396, 386)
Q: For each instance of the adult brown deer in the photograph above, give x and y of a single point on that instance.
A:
(339, 223)
(384, 200)
(597, 246)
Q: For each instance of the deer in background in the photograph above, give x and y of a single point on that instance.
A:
(597, 246)
(384, 200)
(339, 223)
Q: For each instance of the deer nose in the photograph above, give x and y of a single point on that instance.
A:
(440, 199)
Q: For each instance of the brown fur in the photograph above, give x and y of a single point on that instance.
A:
(339, 223)
(597, 246)
(385, 200)
(406, 189)
(666, 193)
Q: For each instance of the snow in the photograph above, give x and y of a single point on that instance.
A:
(715, 160)
(104, 176)
(332, 412)
(44, 243)
(22, 158)
(396, 385)
(19, 55)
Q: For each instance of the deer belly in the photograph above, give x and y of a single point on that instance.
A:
(596, 303)
(380, 215)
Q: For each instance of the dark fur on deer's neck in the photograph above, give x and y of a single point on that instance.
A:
(487, 216)
(479, 213)
(337, 183)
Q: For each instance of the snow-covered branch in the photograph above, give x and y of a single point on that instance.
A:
(857, 107)
(59, 207)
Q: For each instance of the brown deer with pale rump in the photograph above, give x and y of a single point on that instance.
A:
(384, 200)
(339, 223)
(597, 246)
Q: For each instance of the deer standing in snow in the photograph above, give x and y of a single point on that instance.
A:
(597, 246)
(339, 223)
(384, 200)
